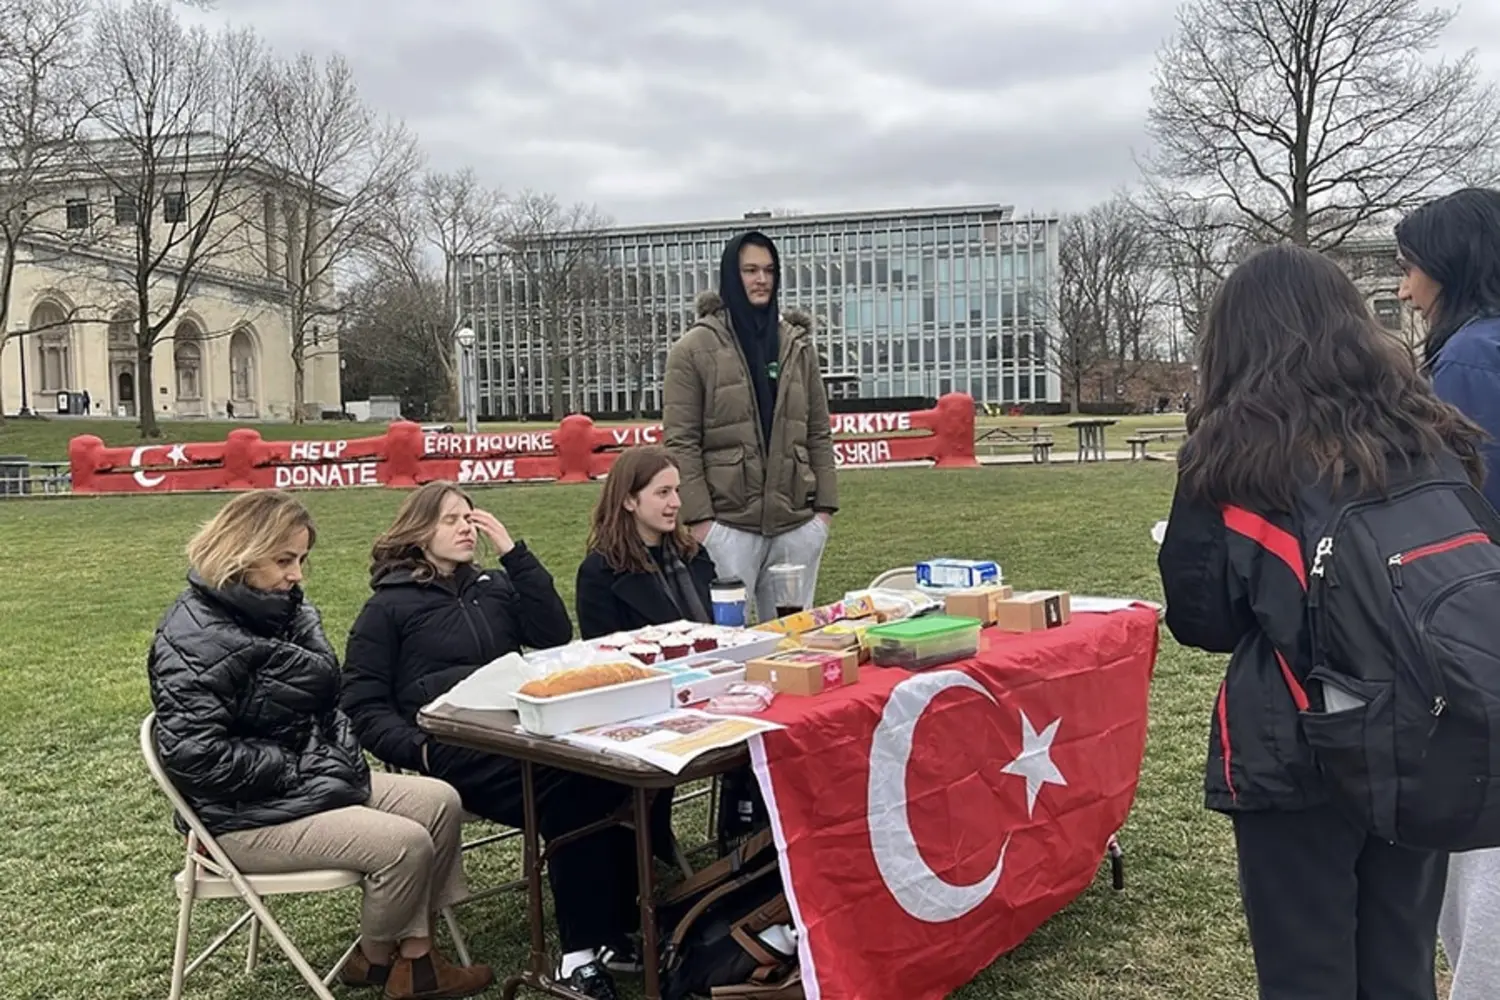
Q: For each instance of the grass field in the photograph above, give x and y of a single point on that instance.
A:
(47, 440)
(87, 850)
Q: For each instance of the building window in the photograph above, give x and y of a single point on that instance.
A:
(174, 207)
(78, 213)
(1388, 311)
(189, 361)
(125, 213)
(241, 367)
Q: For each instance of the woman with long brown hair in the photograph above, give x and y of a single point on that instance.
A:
(1305, 402)
(643, 567)
(435, 617)
(246, 688)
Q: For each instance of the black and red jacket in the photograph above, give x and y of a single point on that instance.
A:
(1236, 582)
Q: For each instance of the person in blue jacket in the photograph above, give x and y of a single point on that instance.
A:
(1449, 253)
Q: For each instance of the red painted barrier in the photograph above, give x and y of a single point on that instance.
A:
(404, 456)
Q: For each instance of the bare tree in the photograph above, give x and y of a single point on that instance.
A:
(1313, 118)
(1108, 294)
(1196, 241)
(335, 169)
(434, 221)
(42, 107)
(182, 126)
(385, 351)
(558, 253)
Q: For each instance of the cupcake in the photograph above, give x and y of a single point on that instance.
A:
(679, 628)
(703, 640)
(676, 648)
(651, 634)
(645, 652)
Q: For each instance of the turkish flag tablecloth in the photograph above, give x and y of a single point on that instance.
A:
(929, 822)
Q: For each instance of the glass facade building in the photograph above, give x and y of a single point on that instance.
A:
(907, 303)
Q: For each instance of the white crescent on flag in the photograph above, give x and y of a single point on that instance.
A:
(140, 474)
(918, 889)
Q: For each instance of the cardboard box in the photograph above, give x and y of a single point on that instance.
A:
(960, 573)
(977, 602)
(1034, 611)
(804, 671)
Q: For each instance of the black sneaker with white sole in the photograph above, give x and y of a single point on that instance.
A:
(592, 981)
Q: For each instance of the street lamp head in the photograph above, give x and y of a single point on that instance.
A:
(465, 338)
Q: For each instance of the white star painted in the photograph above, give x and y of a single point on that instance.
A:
(1035, 761)
(178, 454)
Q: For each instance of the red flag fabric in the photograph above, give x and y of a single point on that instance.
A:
(929, 822)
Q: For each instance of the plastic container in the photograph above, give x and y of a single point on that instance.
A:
(568, 713)
(920, 643)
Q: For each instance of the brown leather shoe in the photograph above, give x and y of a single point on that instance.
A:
(360, 971)
(433, 977)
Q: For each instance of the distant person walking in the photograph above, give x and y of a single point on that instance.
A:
(746, 418)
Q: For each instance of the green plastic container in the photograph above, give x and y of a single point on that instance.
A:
(920, 643)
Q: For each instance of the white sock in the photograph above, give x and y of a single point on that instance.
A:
(575, 960)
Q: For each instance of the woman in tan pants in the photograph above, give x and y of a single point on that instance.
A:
(246, 688)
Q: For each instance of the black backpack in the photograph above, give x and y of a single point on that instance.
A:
(712, 924)
(1404, 609)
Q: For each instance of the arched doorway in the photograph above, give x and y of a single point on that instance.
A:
(122, 364)
(51, 352)
(242, 373)
(187, 365)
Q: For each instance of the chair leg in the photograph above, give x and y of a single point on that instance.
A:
(343, 961)
(179, 952)
(681, 859)
(252, 950)
(293, 954)
(460, 946)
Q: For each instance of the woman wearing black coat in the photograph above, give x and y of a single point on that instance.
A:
(245, 688)
(434, 618)
(643, 567)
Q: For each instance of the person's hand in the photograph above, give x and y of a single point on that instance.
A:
(490, 527)
(700, 531)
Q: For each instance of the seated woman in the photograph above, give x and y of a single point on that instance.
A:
(643, 566)
(434, 618)
(245, 688)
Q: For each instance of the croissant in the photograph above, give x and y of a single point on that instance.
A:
(578, 679)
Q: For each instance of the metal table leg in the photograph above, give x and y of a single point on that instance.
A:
(645, 874)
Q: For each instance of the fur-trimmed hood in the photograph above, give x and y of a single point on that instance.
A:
(799, 320)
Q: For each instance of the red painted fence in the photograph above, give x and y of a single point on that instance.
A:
(574, 452)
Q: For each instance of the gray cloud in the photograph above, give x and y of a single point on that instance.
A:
(661, 111)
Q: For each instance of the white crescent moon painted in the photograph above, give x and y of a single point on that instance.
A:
(140, 474)
(919, 890)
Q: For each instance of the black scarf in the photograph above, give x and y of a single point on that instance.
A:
(677, 582)
(757, 328)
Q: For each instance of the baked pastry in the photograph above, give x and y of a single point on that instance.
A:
(577, 679)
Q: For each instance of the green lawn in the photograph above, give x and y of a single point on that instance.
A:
(87, 851)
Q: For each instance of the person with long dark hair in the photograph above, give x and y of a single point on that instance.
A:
(643, 566)
(1304, 402)
(1449, 253)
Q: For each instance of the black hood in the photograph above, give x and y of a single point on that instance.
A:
(748, 320)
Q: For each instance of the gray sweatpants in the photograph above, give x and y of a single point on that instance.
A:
(744, 555)
(407, 841)
(1470, 924)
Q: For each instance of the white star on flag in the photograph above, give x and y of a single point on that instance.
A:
(177, 455)
(1035, 761)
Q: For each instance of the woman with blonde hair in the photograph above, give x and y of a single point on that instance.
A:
(245, 687)
(434, 618)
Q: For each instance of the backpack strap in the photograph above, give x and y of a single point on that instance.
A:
(686, 923)
(726, 867)
(788, 988)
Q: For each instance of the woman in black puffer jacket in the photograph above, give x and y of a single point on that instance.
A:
(245, 688)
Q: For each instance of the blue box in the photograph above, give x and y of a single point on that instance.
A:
(942, 574)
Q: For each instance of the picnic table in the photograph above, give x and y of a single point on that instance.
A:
(1143, 437)
(1038, 438)
(1091, 437)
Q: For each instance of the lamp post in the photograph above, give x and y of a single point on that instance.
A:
(468, 391)
(20, 337)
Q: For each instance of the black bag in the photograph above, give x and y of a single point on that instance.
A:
(711, 925)
(742, 812)
(1404, 608)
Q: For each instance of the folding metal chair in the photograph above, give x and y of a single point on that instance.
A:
(207, 873)
(900, 578)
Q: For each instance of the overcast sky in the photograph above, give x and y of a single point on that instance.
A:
(666, 110)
